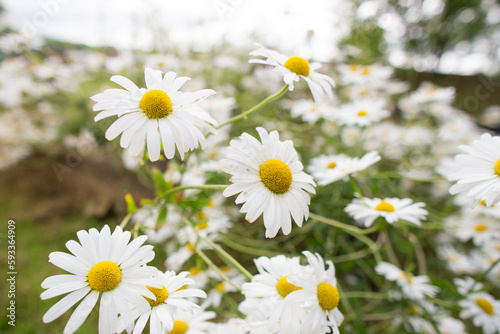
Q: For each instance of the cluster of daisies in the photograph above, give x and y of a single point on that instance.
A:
(354, 139)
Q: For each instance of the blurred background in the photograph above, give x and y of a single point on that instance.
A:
(57, 173)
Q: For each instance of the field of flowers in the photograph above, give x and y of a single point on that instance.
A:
(266, 193)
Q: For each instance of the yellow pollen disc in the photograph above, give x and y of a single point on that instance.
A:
(190, 247)
(384, 206)
(160, 294)
(480, 227)
(156, 104)
(298, 65)
(194, 270)
(313, 108)
(104, 276)
(362, 113)
(482, 202)
(202, 226)
(485, 305)
(353, 68)
(276, 176)
(284, 287)
(415, 309)
(409, 278)
(220, 286)
(331, 165)
(180, 327)
(328, 296)
(366, 70)
(497, 167)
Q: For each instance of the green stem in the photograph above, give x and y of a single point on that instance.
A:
(216, 269)
(202, 187)
(256, 107)
(390, 250)
(484, 274)
(352, 230)
(125, 221)
(222, 253)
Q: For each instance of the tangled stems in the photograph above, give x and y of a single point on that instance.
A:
(256, 107)
(222, 253)
(352, 230)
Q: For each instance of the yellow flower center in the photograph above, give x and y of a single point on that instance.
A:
(156, 104)
(362, 113)
(367, 70)
(415, 309)
(485, 305)
(202, 226)
(328, 296)
(276, 176)
(298, 65)
(194, 270)
(480, 227)
(180, 327)
(331, 165)
(284, 287)
(384, 206)
(220, 286)
(160, 294)
(497, 167)
(104, 276)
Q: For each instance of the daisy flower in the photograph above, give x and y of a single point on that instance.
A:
(269, 288)
(269, 176)
(157, 115)
(319, 294)
(413, 287)
(484, 311)
(375, 75)
(295, 68)
(477, 172)
(172, 295)
(308, 111)
(327, 169)
(361, 113)
(480, 229)
(193, 323)
(366, 210)
(103, 265)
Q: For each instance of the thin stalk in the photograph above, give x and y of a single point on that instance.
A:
(256, 107)
(202, 187)
(352, 230)
(222, 253)
(216, 269)
(390, 250)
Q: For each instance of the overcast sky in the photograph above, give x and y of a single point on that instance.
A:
(139, 23)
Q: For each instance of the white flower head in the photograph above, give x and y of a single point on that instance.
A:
(366, 210)
(105, 265)
(295, 68)
(157, 115)
(477, 172)
(268, 290)
(413, 287)
(364, 112)
(327, 169)
(318, 294)
(270, 179)
(484, 311)
(170, 297)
